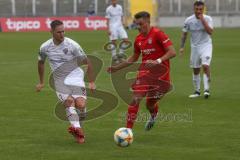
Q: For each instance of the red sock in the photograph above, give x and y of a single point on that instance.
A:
(132, 115)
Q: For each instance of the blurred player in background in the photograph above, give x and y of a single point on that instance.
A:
(114, 15)
(201, 28)
(156, 49)
(61, 53)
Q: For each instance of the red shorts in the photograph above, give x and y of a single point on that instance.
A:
(152, 83)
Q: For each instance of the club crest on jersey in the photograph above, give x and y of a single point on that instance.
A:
(150, 41)
(207, 58)
(139, 43)
(65, 50)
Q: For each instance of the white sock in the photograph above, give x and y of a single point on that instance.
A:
(73, 117)
(114, 52)
(197, 82)
(206, 82)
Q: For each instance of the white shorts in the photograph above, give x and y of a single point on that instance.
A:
(201, 56)
(62, 96)
(73, 86)
(118, 33)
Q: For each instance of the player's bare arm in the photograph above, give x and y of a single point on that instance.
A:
(90, 74)
(40, 85)
(170, 53)
(108, 27)
(183, 41)
(124, 64)
(208, 29)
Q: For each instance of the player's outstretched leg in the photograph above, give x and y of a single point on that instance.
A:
(80, 104)
(132, 115)
(72, 115)
(132, 111)
(152, 107)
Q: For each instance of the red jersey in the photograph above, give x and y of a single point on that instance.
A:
(153, 47)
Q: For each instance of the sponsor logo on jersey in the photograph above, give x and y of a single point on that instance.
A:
(150, 41)
(148, 51)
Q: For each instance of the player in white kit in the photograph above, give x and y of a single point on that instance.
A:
(201, 28)
(64, 56)
(114, 15)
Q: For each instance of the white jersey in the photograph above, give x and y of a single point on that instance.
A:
(114, 14)
(60, 54)
(199, 36)
(63, 61)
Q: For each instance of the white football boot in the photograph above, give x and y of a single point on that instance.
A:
(195, 94)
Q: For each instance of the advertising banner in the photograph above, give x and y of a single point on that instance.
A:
(35, 24)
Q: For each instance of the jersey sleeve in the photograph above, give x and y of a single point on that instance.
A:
(163, 39)
(42, 54)
(78, 51)
(108, 15)
(185, 26)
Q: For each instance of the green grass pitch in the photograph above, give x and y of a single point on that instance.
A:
(30, 130)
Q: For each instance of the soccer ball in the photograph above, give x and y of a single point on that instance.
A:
(123, 137)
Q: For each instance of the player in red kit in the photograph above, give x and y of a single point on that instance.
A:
(153, 79)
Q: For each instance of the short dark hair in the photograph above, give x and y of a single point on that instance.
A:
(55, 23)
(142, 14)
(198, 3)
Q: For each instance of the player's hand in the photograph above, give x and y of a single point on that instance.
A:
(151, 63)
(92, 86)
(181, 52)
(112, 69)
(39, 87)
(201, 17)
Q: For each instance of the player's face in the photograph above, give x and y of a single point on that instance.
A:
(114, 2)
(142, 25)
(58, 33)
(198, 10)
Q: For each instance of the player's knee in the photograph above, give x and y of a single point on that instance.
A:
(136, 100)
(114, 42)
(196, 71)
(205, 68)
(80, 103)
(69, 102)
